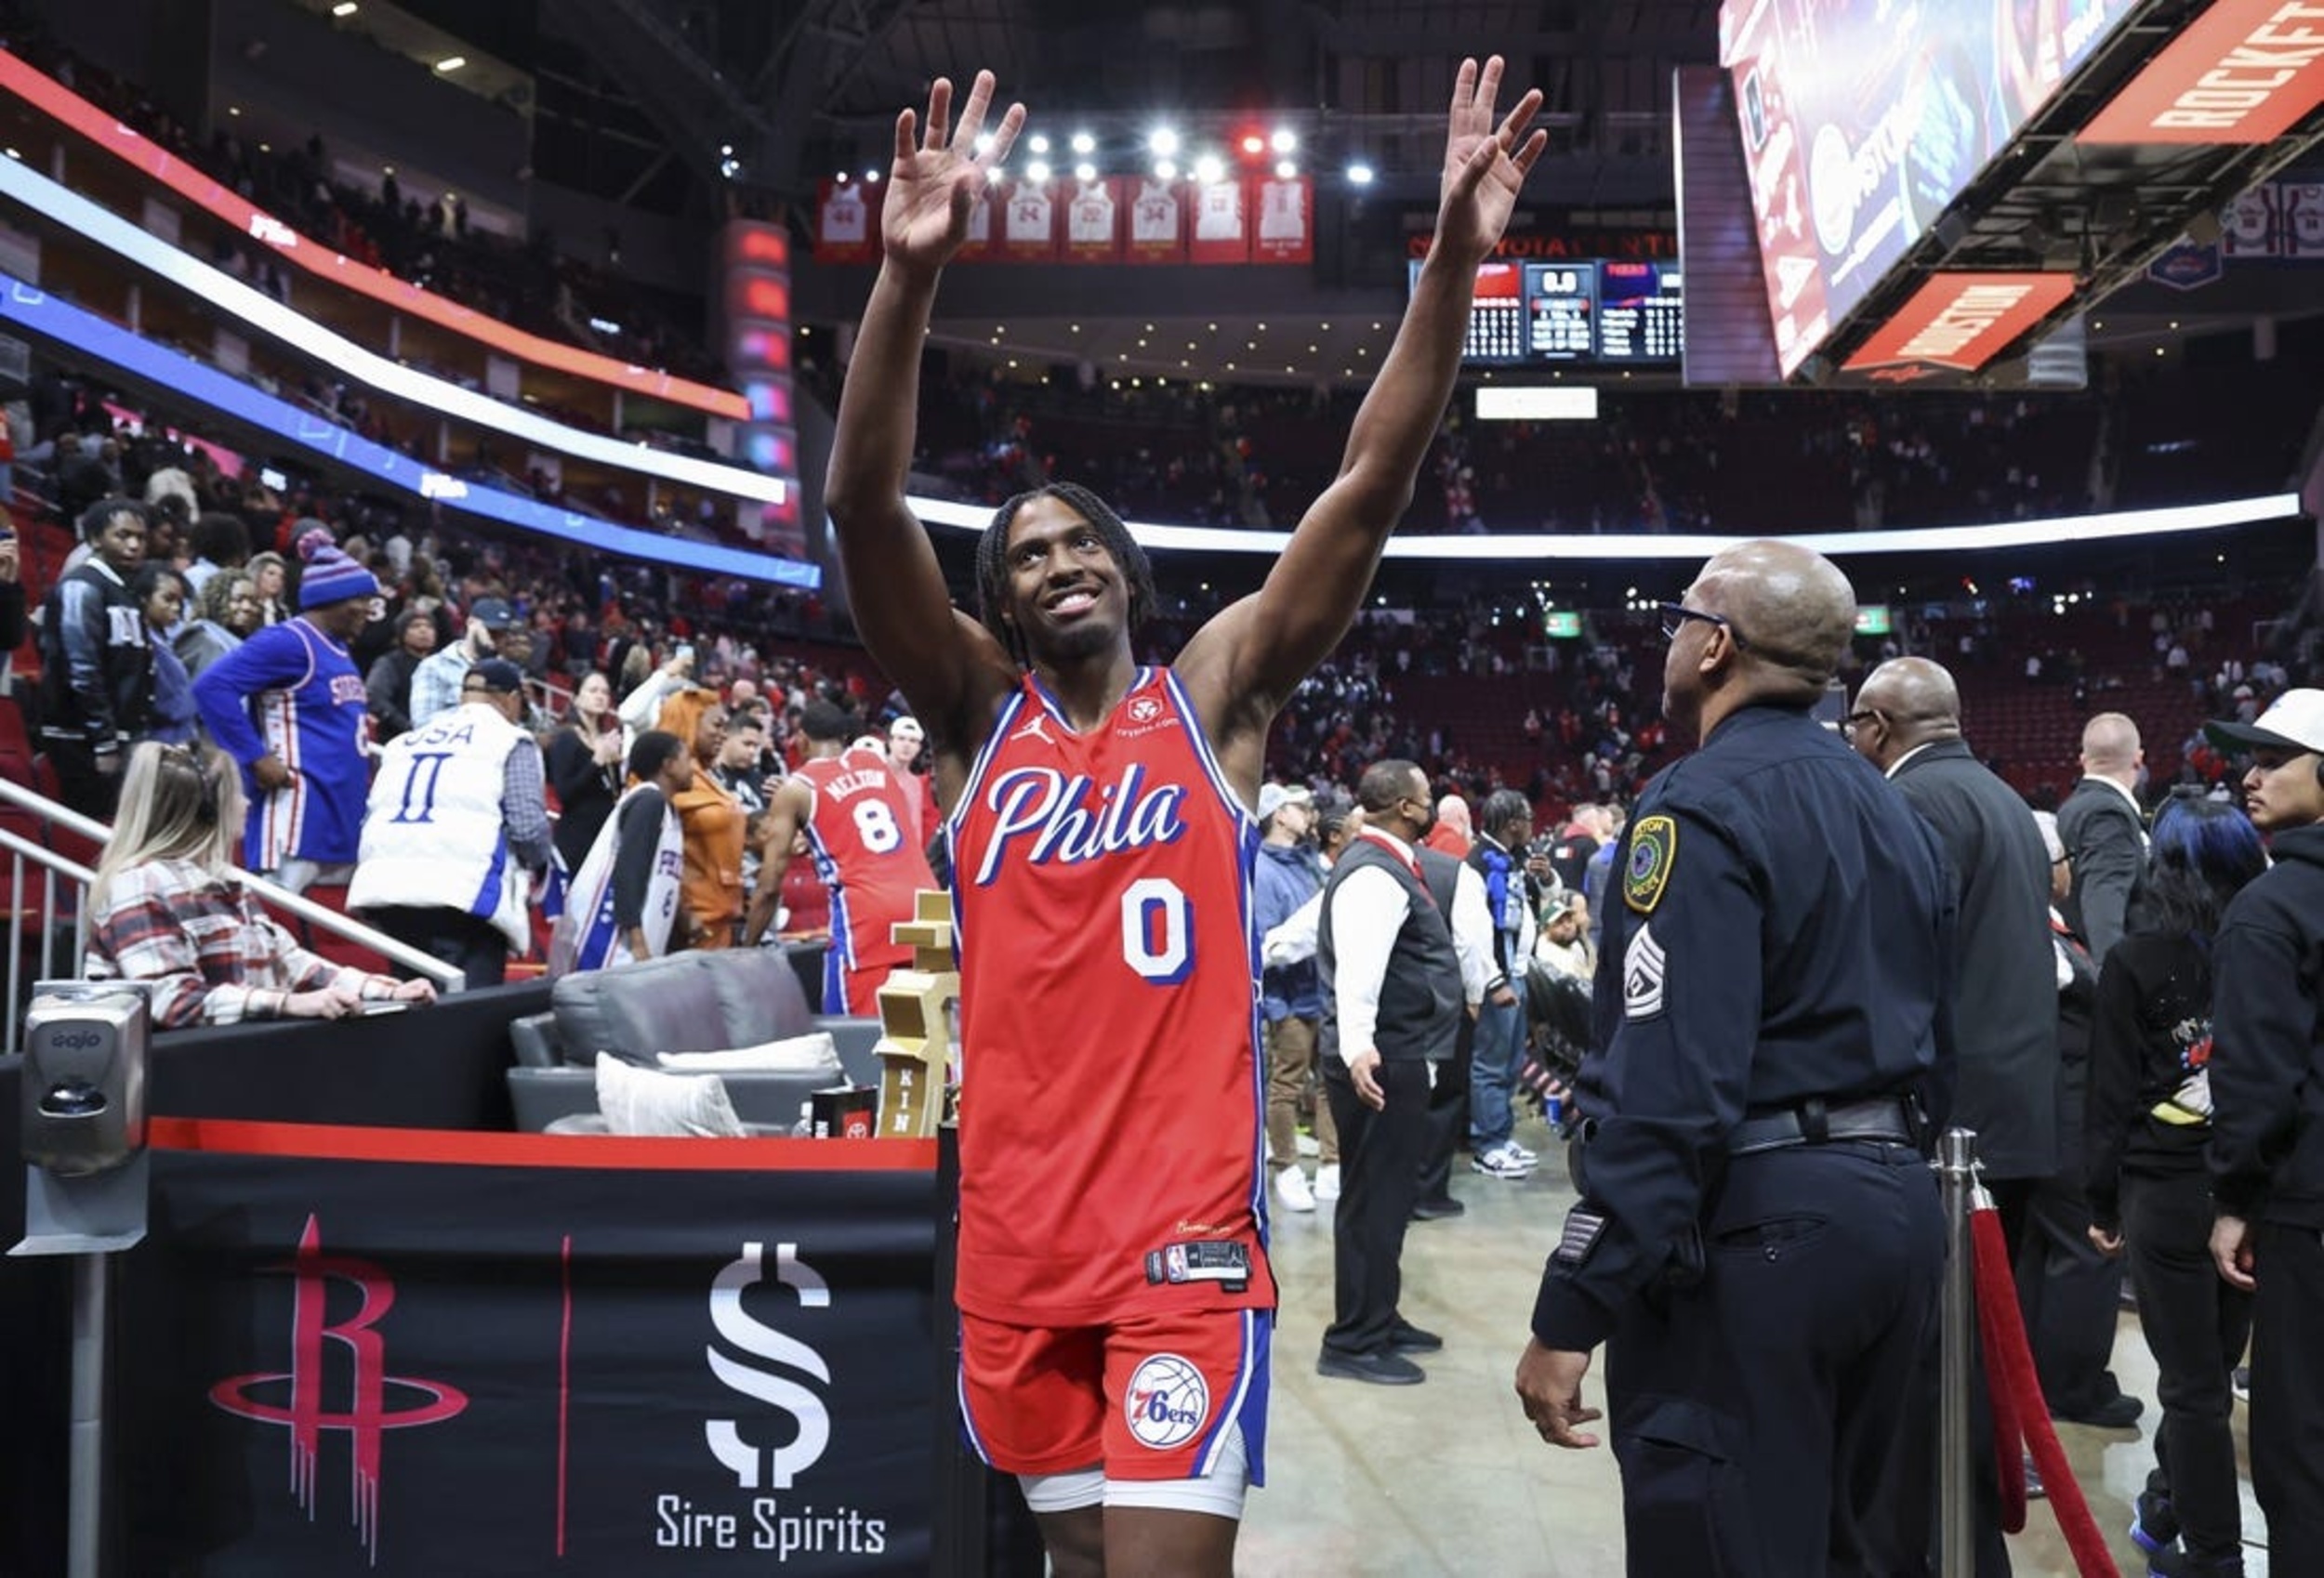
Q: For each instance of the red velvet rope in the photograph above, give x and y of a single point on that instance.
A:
(2021, 1419)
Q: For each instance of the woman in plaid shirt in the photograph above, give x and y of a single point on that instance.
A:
(170, 908)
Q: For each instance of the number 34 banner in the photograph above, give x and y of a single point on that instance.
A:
(411, 1352)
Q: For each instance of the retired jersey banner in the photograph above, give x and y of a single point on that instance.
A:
(2301, 216)
(1157, 219)
(847, 222)
(1216, 216)
(1029, 214)
(434, 1354)
(1093, 219)
(2248, 225)
(1287, 220)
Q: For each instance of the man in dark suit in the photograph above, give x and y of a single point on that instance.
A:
(1907, 722)
(2104, 833)
(2073, 1291)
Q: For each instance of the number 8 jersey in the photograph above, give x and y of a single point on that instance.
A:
(860, 836)
(1109, 1082)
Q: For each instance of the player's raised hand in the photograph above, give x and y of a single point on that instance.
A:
(939, 175)
(1485, 164)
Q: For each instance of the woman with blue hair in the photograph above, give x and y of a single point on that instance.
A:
(2149, 1120)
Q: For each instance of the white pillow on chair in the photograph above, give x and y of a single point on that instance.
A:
(811, 1054)
(646, 1101)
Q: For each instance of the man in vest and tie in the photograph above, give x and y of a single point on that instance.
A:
(1392, 991)
(457, 824)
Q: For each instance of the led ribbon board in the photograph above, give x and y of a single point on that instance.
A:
(51, 96)
(1698, 546)
(264, 314)
(27, 308)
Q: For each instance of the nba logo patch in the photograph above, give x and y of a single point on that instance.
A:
(1166, 1403)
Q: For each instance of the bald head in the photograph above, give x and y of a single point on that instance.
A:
(1453, 811)
(2110, 746)
(1915, 695)
(1904, 704)
(1792, 606)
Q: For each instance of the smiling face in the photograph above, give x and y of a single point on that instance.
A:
(242, 611)
(1066, 598)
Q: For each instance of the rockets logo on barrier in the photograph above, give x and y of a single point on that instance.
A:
(672, 1372)
(368, 1409)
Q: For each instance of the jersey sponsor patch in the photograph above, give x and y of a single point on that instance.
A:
(1167, 1401)
(1654, 846)
(1642, 967)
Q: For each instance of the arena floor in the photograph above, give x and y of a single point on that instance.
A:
(1447, 1477)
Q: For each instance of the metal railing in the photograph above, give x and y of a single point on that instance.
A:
(61, 874)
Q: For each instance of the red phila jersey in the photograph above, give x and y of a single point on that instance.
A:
(1109, 1082)
(860, 833)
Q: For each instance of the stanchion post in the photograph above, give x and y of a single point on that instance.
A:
(1957, 1165)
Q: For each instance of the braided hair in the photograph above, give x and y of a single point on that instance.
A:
(992, 561)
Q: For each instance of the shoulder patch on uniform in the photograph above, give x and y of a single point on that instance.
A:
(1644, 965)
(1653, 845)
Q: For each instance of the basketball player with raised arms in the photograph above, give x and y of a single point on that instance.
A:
(1114, 1294)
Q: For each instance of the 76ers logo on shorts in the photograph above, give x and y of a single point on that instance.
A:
(1166, 1403)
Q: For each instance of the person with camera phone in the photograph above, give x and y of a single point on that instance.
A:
(168, 906)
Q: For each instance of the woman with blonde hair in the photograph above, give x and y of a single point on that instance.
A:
(712, 820)
(168, 906)
(270, 574)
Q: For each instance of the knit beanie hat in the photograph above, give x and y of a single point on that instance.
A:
(330, 576)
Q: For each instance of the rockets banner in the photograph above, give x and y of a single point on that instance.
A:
(692, 1364)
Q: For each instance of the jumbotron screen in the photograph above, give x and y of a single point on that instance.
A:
(1862, 119)
(1585, 312)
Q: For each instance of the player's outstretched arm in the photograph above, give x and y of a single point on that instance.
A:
(1266, 644)
(898, 590)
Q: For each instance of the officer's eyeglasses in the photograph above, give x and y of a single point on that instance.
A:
(1856, 721)
(1675, 615)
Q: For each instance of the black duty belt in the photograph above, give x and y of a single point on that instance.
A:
(1814, 1123)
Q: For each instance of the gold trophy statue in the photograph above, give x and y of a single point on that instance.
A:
(918, 1023)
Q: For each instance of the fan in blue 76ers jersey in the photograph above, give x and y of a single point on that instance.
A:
(1114, 1295)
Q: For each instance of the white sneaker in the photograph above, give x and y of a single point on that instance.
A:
(1501, 1161)
(1292, 1190)
(1528, 1157)
(1328, 1181)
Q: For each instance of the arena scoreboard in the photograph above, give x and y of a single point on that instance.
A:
(1584, 311)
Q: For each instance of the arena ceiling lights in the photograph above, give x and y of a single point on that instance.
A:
(1631, 545)
(262, 312)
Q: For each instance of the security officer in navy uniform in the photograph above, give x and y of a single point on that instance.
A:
(1759, 1240)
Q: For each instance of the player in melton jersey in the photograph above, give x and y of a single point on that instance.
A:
(1114, 1294)
(850, 802)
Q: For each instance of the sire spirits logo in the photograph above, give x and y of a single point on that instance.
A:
(775, 1467)
(295, 1397)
